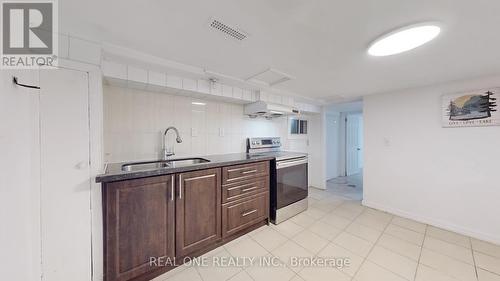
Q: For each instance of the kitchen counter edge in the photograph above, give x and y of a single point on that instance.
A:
(113, 170)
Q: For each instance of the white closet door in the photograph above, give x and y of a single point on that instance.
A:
(65, 181)
(353, 144)
(19, 178)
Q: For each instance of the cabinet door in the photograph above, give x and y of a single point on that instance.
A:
(139, 224)
(198, 210)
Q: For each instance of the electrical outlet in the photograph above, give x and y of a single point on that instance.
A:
(194, 132)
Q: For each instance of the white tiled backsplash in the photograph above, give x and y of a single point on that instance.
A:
(134, 121)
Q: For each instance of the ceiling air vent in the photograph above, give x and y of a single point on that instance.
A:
(232, 32)
(270, 77)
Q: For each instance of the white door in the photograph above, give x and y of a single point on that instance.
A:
(19, 178)
(44, 176)
(354, 144)
(65, 182)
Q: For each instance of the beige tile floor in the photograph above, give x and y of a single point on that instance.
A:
(379, 246)
(350, 187)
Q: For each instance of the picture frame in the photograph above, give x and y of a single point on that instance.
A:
(477, 108)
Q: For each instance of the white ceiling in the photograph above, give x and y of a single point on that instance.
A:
(321, 43)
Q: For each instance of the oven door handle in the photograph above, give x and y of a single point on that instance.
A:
(286, 164)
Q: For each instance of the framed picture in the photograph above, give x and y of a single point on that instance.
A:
(471, 109)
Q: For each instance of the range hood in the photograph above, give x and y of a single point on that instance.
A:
(269, 110)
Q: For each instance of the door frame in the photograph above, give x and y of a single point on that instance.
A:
(343, 141)
(95, 104)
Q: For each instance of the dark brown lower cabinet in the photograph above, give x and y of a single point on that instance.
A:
(139, 220)
(198, 210)
(240, 215)
(177, 216)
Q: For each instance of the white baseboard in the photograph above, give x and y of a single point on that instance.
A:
(434, 222)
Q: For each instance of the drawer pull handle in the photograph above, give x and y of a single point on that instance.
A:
(249, 172)
(172, 195)
(240, 169)
(240, 186)
(248, 213)
(251, 188)
(180, 186)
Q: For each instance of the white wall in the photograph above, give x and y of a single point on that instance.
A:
(316, 145)
(446, 177)
(332, 145)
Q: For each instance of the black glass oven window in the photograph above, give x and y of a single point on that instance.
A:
(292, 185)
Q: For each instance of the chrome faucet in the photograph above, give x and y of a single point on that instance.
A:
(165, 152)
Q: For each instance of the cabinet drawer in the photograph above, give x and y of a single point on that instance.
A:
(239, 216)
(242, 189)
(243, 172)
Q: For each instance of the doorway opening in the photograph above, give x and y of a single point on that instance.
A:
(344, 150)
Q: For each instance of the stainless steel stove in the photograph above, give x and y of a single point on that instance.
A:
(289, 182)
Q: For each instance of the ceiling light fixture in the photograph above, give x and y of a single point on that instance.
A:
(404, 39)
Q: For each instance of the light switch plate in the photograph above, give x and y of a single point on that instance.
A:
(387, 142)
(194, 132)
(221, 132)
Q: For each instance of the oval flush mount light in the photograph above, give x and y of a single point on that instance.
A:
(404, 39)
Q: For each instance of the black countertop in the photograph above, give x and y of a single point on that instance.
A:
(114, 172)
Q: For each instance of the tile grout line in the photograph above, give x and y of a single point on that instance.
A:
(270, 253)
(407, 228)
(449, 242)
(199, 274)
(375, 244)
(244, 268)
(451, 257)
(338, 234)
(296, 274)
(420, 254)
(364, 258)
(473, 259)
(448, 256)
(406, 241)
(223, 249)
(331, 240)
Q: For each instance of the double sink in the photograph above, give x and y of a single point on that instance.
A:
(162, 164)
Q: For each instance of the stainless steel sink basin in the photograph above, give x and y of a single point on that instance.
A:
(186, 162)
(162, 164)
(143, 166)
